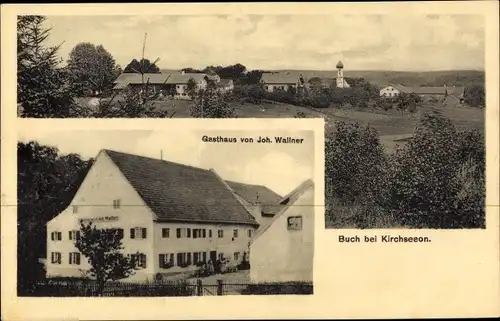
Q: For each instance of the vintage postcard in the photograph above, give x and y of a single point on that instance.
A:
(341, 159)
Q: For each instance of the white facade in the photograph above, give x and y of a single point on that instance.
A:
(181, 89)
(273, 87)
(284, 250)
(389, 91)
(116, 204)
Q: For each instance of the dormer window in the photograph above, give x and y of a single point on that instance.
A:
(116, 204)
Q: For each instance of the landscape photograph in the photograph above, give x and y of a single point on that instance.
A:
(133, 214)
(403, 110)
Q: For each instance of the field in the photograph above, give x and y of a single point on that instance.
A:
(390, 122)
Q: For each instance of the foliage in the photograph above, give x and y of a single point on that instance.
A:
(46, 183)
(475, 96)
(141, 66)
(355, 164)
(437, 179)
(408, 102)
(93, 69)
(43, 88)
(103, 249)
(209, 103)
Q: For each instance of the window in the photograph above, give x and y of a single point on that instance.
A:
(55, 257)
(236, 256)
(116, 204)
(138, 233)
(189, 258)
(56, 236)
(196, 258)
(74, 258)
(178, 233)
(74, 235)
(220, 234)
(204, 233)
(165, 232)
(235, 233)
(249, 232)
(294, 223)
(75, 209)
(120, 233)
(188, 232)
(166, 260)
(210, 233)
(204, 256)
(139, 260)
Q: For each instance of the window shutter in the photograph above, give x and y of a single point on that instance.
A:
(77, 235)
(132, 233)
(210, 233)
(144, 259)
(59, 258)
(162, 261)
(52, 237)
(144, 234)
(52, 257)
(78, 258)
(204, 233)
(179, 259)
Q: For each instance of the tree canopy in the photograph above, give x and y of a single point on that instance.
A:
(93, 69)
(141, 66)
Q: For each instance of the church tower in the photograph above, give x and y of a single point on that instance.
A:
(340, 75)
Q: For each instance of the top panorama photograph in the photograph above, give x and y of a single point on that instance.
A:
(402, 95)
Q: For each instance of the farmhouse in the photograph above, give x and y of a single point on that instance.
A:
(283, 249)
(171, 83)
(171, 216)
(456, 93)
(290, 79)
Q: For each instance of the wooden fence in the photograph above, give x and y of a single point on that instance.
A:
(165, 288)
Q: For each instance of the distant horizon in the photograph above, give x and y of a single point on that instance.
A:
(349, 70)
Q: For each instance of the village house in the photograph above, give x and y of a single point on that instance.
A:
(171, 216)
(283, 249)
(449, 92)
(171, 83)
(290, 79)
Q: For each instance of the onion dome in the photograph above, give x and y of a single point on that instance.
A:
(340, 65)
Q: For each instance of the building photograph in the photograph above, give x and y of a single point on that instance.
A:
(181, 212)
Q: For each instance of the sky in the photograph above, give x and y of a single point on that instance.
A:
(395, 42)
(281, 167)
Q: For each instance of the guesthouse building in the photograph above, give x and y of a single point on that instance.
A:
(171, 216)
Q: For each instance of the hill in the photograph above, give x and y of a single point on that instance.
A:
(459, 78)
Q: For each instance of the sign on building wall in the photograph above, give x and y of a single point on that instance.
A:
(99, 219)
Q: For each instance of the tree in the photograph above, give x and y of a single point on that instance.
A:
(103, 249)
(93, 69)
(43, 88)
(46, 184)
(355, 164)
(209, 103)
(142, 66)
(475, 96)
(437, 179)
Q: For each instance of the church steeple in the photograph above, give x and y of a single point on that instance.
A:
(340, 74)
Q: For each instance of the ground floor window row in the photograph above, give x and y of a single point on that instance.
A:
(73, 258)
(185, 259)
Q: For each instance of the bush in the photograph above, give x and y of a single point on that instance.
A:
(279, 288)
(437, 179)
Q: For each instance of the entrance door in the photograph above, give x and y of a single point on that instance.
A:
(213, 256)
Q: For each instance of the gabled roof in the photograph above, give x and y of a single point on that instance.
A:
(180, 78)
(426, 90)
(257, 194)
(135, 78)
(279, 78)
(286, 202)
(176, 192)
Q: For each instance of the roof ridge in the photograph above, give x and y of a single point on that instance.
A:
(156, 159)
(299, 191)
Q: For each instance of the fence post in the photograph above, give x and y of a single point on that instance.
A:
(199, 287)
(219, 287)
